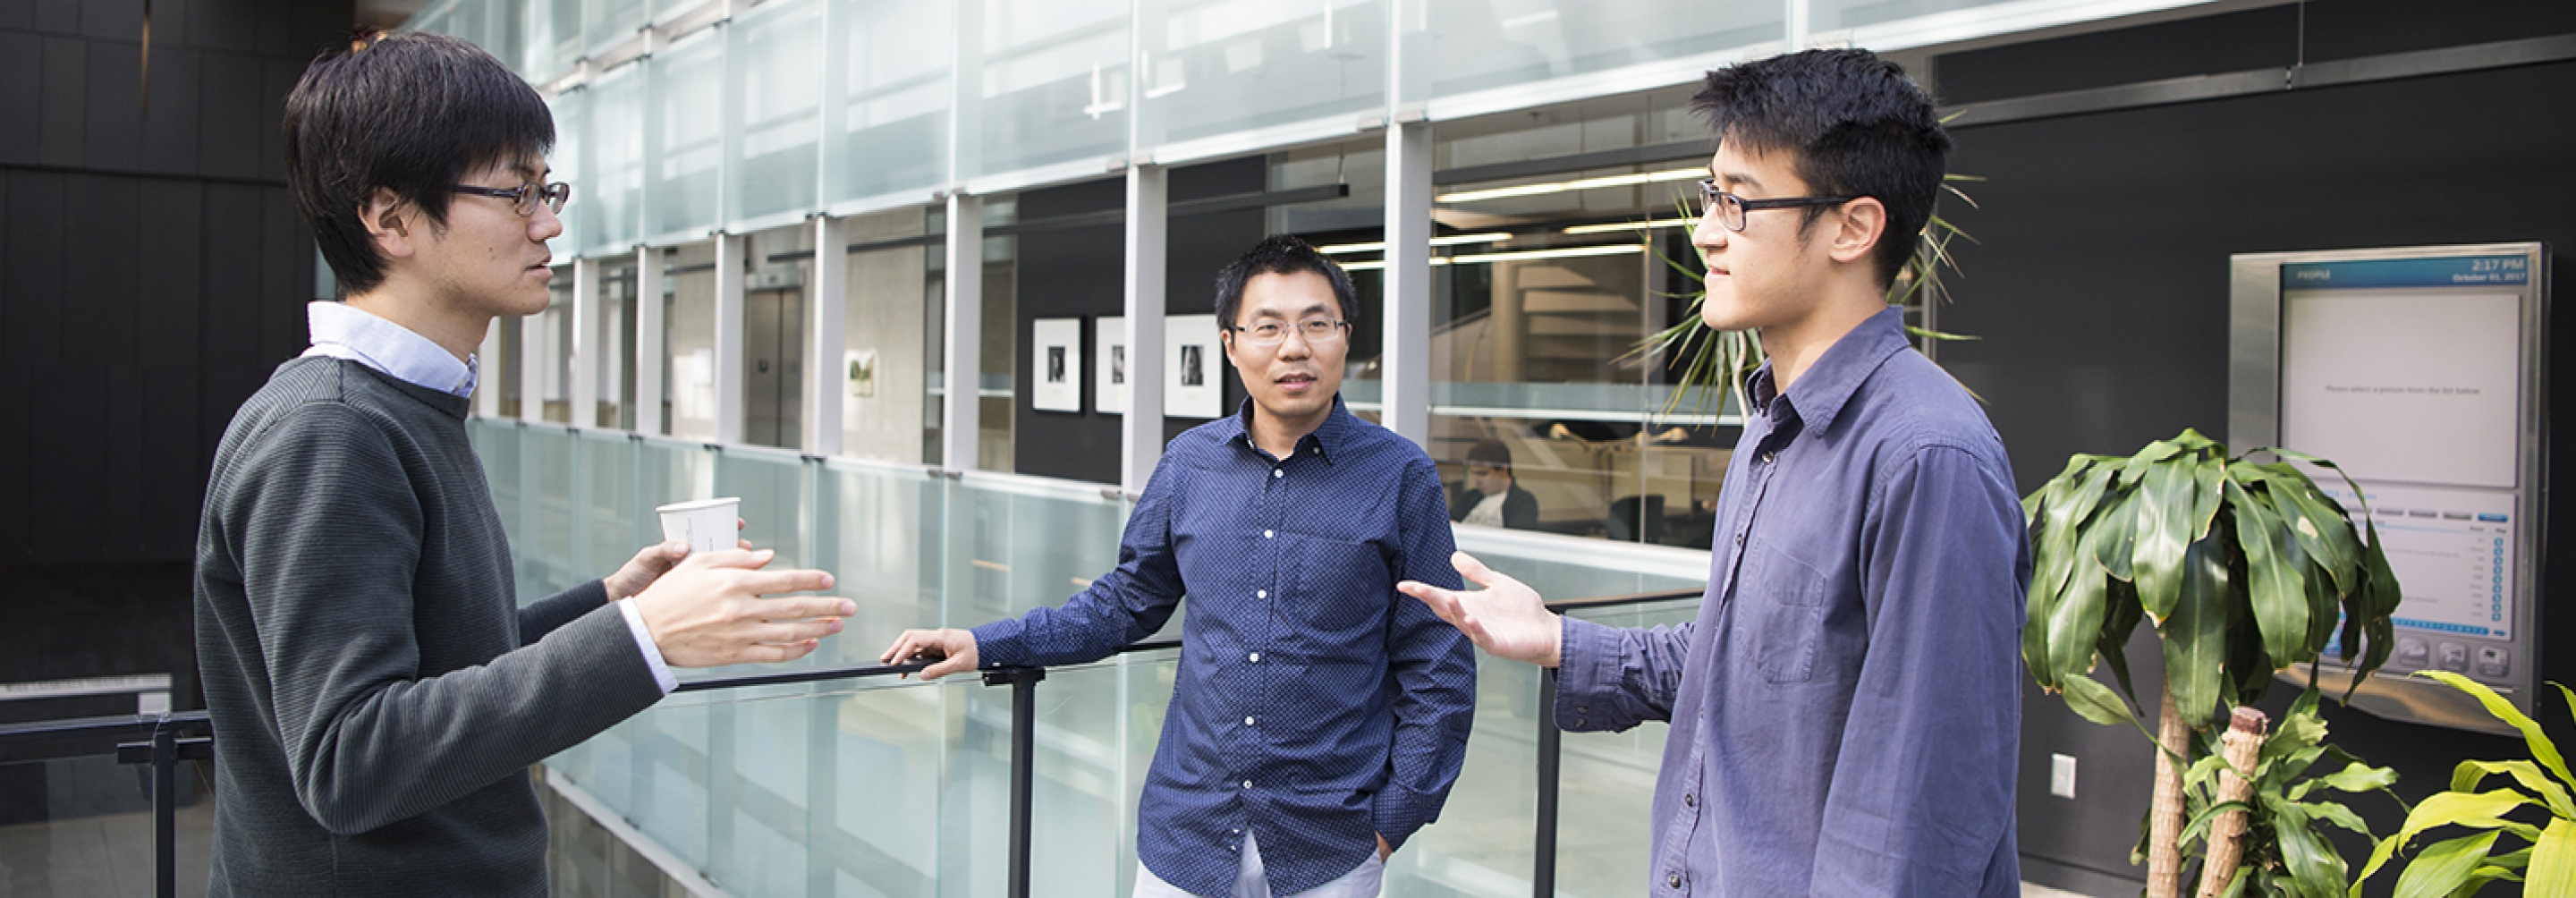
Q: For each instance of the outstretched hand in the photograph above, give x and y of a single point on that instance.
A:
(649, 564)
(1506, 618)
(714, 608)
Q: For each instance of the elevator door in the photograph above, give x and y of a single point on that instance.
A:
(773, 361)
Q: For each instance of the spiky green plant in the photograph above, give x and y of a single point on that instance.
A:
(2459, 867)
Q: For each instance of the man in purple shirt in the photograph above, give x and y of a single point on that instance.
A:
(1846, 707)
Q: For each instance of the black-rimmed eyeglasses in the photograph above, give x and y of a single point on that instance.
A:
(1729, 209)
(525, 197)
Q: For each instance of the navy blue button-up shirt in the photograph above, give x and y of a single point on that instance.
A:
(1315, 705)
(1846, 708)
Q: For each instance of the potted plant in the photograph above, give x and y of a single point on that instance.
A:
(2546, 862)
(2244, 568)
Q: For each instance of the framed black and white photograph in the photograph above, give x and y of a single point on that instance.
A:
(1109, 350)
(1057, 345)
(1192, 385)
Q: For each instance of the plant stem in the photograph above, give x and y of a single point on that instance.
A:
(2165, 817)
(2242, 744)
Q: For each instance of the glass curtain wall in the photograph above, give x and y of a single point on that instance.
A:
(1216, 67)
(1053, 83)
(549, 350)
(779, 264)
(890, 321)
(1482, 45)
(685, 137)
(689, 340)
(889, 126)
(776, 92)
(610, 194)
(612, 363)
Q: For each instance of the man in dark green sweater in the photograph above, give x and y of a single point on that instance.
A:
(377, 694)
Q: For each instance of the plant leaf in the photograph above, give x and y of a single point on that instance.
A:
(2443, 866)
(2076, 622)
(2117, 522)
(2542, 750)
(2091, 700)
(2280, 603)
(2164, 520)
(2470, 774)
(2553, 861)
(2195, 634)
(2315, 869)
(2354, 777)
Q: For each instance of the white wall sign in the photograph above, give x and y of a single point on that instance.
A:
(1193, 377)
(1109, 365)
(1055, 369)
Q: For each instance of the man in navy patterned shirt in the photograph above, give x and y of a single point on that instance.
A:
(1319, 718)
(1846, 709)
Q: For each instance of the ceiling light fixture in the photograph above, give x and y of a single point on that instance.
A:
(1567, 252)
(1628, 226)
(1678, 174)
(1339, 249)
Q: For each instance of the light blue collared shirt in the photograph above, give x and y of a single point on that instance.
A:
(344, 331)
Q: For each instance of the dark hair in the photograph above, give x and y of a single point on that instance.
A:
(1857, 125)
(1491, 452)
(1280, 254)
(411, 113)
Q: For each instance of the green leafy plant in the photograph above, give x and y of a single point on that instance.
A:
(2243, 567)
(1715, 363)
(2546, 862)
(2285, 853)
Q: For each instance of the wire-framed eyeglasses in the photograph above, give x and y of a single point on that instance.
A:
(1273, 333)
(1729, 209)
(525, 197)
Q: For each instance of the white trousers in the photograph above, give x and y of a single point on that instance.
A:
(1250, 882)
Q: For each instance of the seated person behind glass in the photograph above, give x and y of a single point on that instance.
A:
(1491, 498)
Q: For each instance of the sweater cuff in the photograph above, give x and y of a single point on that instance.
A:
(662, 676)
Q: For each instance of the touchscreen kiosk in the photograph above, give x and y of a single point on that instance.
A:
(2417, 370)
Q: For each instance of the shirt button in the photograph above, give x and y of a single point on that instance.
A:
(1769, 457)
(1247, 721)
(1247, 784)
(1275, 472)
(1690, 800)
(1739, 539)
(1254, 657)
(1673, 882)
(1261, 593)
(1269, 534)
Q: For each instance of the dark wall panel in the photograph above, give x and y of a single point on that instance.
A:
(2099, 289)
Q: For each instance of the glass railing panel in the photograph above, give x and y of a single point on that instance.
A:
(1054, 82)
(1479, 45)
(1082, 782)
(83, 826)
(772, 486)
(1608, 780)
(611, 193)
(542, 547)
(893, 573)
(777, 96)
(611, 519)
(1481, 845)
(1215, 67)
(1017, 543)
(895, 96)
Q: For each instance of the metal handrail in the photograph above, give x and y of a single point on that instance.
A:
(167, 739)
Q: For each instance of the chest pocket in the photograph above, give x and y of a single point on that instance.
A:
(1340, 586)
(1785, 601)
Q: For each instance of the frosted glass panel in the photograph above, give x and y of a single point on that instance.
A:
(777, 96)
(894, 97)
(1217, 66)
(606, 22)
(572, 137)
(1602, 838)
(612, 185)
(554, 39)
(1055, 82)
(683, 142)
(1834, 15)
(1481, 45)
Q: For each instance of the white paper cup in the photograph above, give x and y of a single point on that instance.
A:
(707, 525)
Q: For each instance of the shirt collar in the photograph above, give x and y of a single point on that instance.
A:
(345, 331)
(1334, 432)
(1820, 393)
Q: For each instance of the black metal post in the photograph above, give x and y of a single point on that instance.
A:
(1543, 859)
(165, 808)
(1024, 731)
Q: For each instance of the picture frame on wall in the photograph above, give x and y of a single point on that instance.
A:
(1109, 365)
(1193, 382)
(1055, 367)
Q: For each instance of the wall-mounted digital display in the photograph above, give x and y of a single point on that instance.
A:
(2417, 371)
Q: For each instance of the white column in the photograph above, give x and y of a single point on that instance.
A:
(586, 343)
(1407, 309)
(825, 386)
(729, 323)
(648, 340)
(960, 423)
(487, 374)
(533, 343)
(1140, 430)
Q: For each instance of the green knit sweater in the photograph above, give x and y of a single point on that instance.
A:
(377, 696)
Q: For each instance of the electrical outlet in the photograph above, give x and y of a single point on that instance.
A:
(2061, 775)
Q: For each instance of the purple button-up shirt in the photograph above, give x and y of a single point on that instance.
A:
(1846, 708)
